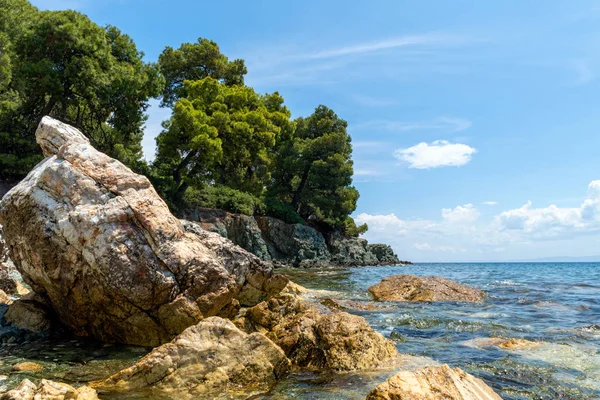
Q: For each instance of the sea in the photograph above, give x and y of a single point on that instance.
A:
(555, 304)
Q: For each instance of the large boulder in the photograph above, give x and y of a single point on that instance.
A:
(433, 383)
(424, 288)
(49, 390)
(315, 340)
(293, 243)
(209, 360)
(98, 242)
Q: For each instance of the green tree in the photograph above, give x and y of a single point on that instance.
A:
(221, 135)
(196, 61)
(65, 66)
(313, 172)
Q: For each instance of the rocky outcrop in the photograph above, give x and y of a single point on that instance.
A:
(212, 357)
(424, 288)
(101, 246)
(314, 340)
(433, 383)
(384, 253)
(49, 390)
(241, 229)
(8, 282)
(294, 245)
(31, 313)
(350, 251)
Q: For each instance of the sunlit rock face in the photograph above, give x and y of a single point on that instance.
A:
(424, 288)
(213, 359)
(433, 383)
(98, 242)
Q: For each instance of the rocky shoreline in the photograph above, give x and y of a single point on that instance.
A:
(105, 259)
(292, 245)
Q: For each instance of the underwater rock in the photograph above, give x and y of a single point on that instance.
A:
(27, 367)
(211, 357)
(49, 390)
(433, 383)
(97, 241)
(424, 288)
(313, 340)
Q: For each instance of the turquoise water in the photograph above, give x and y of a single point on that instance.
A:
(556, 303)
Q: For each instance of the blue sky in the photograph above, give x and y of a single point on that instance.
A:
(475, 124)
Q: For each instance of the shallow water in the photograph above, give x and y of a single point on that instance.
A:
(558, 304)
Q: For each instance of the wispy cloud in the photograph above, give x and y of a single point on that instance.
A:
(449, 124)
(490, 203)
(384, 44)
(310, 65)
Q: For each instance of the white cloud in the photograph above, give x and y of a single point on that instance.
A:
(366, 172)
(461, 214)
(524, 232)
(490, 203)
(554, 221)
(438, 249)
(440, 153)
(447, 124)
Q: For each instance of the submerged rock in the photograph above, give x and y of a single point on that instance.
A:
(433, 383)
(49, 390)
(101, 245)
(313, 340)
(212, 357)
(27, 367)
(418, 288)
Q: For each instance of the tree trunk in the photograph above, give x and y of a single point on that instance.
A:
(301, 186)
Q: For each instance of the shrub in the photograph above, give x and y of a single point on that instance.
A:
(284, 212)
(224, 198)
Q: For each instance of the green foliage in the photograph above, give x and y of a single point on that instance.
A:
(193, 62)
(350, 229)
(284, 212)
(313, 171)
(220, 134)
(65, 66)
(224, 198)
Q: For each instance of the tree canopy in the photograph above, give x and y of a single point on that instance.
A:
(222, 135)
(225, 145)
(65, 66)
(196, 61)
(314, 168)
